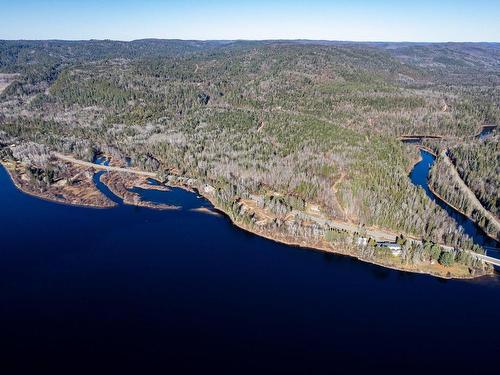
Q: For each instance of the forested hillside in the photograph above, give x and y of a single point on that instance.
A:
(317, 123)
(478, 163)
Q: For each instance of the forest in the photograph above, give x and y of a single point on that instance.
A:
(479, 166)
(316, 122)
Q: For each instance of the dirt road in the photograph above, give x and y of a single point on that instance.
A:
(103, 167)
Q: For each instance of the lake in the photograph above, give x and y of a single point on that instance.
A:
(132, 288)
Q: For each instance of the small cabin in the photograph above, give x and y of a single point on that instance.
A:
(394, 247)
(362, 241)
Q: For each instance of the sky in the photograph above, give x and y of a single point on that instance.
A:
(354, 20)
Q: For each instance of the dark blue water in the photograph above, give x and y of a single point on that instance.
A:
(131, 288)
(101, 160)
(104, 188)
(419, 176)
(175, 197)
(486, 132)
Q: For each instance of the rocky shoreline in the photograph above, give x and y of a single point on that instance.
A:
(457, 271)
(436, 270)
(120, 184)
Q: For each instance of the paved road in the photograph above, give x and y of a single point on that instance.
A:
(468, 192)
(490, 260)
(376, 234)
(103, 167)
(379, 235)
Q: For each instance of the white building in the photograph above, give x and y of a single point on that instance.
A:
(362, 241)
(394, 247)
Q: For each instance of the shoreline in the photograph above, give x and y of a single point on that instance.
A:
(462, 213)
(318, 245)
(451, 205)
(438, 196)
(49, 199)
(331, 250)
(140, 203)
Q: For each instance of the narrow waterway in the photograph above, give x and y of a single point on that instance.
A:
(175, 196)
(419, 176)
(104, 189)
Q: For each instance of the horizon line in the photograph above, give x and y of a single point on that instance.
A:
(250, 40)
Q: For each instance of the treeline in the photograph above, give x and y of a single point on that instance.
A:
(478, 163)
(443, 182)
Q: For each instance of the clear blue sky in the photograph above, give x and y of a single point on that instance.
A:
(376, 20)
